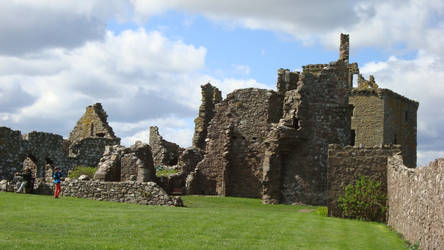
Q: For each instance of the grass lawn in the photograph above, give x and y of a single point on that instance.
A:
(41, 222)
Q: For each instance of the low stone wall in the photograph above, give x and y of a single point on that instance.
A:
(146, 193)
(347, 164)
(416, 202)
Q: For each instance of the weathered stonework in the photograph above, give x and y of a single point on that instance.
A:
(92, 124)
(347, 164)
(176, 183)
(383, 117)
(165, 153)
(415, 200)
(210, 97)
(146, 193)
(234, 150)
(43, 151)
(126, 164)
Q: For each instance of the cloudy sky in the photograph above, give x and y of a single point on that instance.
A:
(145, 60)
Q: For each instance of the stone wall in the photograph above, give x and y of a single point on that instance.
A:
(124, 164)
(44, 151)
(315, 114)
(176, 183)
(368, 117)
(381, 116)
(146, 193)
(92, 124)
(234, 152)
(210, 97)
(165, 153)
(347, 164)
(415, 199)
(400, 124)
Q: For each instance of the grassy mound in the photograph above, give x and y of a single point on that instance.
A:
(41, 222)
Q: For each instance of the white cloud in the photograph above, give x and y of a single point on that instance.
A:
(419, 79)
(142, 79)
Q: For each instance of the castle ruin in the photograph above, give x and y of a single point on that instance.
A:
(298, 144)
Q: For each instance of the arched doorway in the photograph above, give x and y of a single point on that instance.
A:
(30, 162)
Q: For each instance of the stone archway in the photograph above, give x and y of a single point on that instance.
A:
(30, 162)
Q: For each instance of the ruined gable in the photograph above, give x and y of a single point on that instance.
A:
(93, 124)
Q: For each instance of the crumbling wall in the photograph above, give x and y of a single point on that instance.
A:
(415, 200)
(44, 151)
(146, 193)
(287, 80)
(92, 124)
(164, 152)
(210, 97)
(38, 147)
(11, 152)
(233, 161)
(347, 164)
(315, 114)
(176, 183)
(88, 151)
(126, 164)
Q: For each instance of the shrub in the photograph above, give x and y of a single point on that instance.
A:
(322, 211)
(365, 200)
(83, 170)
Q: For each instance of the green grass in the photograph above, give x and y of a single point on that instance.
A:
(165, 172)
(41, 222)
(83, 170)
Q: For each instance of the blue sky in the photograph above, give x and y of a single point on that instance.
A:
(145, 60)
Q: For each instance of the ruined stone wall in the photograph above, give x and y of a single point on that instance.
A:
(164, 152)
(146, 193)
(12, 152)
(415, 199)
(233, 161)
(88, 151)
(92, 124)
(287, 80)
(126, 164)
(176, 183)
(316, 114)
(39, 147)
(210, 97)
(347, 164)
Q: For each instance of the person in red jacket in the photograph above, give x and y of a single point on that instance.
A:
(56, 176)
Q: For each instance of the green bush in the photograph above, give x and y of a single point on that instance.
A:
(83, 170)
(365, 200)
(322, 211)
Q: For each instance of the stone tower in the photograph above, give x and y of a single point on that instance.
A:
(382, 116)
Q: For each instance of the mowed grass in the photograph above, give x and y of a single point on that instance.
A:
(42, 222)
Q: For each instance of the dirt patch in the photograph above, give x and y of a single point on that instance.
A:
(305, 210)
